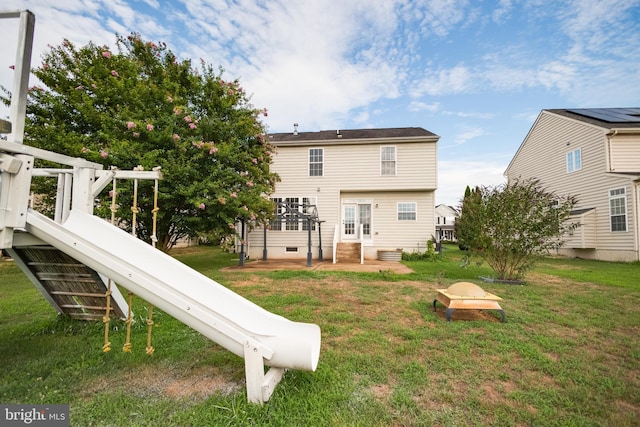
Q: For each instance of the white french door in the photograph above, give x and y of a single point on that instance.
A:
(354, 215)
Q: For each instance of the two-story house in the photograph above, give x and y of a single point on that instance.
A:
(446, 222)
(371, 187)
(594, 155)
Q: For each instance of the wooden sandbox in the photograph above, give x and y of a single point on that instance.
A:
(467, 296)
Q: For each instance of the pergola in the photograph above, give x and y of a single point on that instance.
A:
(289, 212)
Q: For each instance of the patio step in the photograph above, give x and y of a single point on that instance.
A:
(348, 252)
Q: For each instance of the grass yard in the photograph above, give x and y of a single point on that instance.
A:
(568, 354)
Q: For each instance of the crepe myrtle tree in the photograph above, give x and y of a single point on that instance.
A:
(511, 225)
(141, 107)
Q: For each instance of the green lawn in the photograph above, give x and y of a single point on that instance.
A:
(568, 354)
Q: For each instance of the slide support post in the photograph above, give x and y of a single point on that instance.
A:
(260, 385)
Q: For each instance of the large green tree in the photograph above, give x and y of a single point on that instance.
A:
(511, 225)
(141, 106)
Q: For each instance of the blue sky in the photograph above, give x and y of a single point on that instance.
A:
(477, 73)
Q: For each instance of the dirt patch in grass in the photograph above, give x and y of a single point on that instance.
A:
(201, 383)
(381, 391)
(151, 381)
(371, 266)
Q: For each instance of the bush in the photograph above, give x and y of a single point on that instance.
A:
(429, 255)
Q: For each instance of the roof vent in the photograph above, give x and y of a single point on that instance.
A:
(295, 128)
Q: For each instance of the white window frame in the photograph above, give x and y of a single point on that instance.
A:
(384, 161)
(314, 162)
(574, 160)
(615, 195)
(400, 210)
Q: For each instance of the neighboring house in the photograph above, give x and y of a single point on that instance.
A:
(446, 222)
(372, 187)
(594, 155)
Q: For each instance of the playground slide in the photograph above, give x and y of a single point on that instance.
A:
(201, 303)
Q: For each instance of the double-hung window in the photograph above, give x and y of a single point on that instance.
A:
(574, 160)
(316, 161)
(407, 211)
(388, 160)
(618, 209)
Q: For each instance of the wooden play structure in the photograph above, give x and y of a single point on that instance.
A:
(76, 259)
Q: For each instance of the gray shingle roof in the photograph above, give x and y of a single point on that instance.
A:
(352, 134)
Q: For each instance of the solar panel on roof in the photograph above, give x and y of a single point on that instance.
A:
(611, 115)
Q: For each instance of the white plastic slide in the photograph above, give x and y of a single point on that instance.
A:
(201, 303)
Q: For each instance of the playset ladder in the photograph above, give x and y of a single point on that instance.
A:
(72, 288)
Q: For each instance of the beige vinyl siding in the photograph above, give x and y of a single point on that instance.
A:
(357, 167)
(543, 155)
(625, 154)
(583, 237)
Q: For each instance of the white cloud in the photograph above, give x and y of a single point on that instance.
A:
(595, 42)
(472, 114)
(116, 27)
(153, 3)
(503, 10)
(443, 82)
(307, 61)
(464, 137)
(416, 106)
(589, 22)
(557, 74)
(439, 17)
(362, 117)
